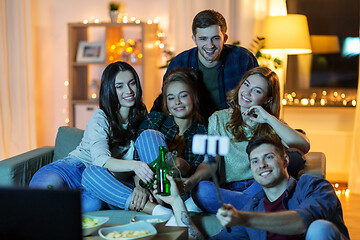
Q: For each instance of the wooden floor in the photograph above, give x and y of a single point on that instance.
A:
(351, 211)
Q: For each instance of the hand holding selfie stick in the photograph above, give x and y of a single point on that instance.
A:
(201, 144)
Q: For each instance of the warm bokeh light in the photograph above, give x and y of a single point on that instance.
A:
(322, 102)
(305, 101)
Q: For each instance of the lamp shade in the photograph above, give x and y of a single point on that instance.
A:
(325, 44)
(287, 34)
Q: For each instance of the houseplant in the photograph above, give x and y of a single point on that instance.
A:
(114, 11)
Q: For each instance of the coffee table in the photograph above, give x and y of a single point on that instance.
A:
(164, 233)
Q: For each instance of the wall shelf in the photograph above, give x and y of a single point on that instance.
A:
(135, 43)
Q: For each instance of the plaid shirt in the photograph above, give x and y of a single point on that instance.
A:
(167, 126)
(234, 61)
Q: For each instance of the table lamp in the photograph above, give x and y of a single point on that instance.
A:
(286, 35)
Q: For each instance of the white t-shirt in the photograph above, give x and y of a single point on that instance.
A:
(94, 148)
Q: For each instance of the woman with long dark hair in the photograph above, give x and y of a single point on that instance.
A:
(108, 143)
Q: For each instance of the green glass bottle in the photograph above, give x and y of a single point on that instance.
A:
(161, 171)
(149, 185)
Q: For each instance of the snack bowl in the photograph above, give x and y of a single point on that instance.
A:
(87, 230)
(155, 220)
(136, 226)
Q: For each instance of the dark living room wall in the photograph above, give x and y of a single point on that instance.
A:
(328, 71)
(328, 17)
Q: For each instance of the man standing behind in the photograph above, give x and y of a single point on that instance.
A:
(286, 208)
(222, 65)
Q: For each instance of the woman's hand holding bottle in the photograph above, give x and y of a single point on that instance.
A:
(143, 171)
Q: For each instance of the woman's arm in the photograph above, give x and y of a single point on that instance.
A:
(180, 212)
(288, 135)
(141, 169)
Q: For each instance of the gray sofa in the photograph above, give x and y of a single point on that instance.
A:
(17, 172)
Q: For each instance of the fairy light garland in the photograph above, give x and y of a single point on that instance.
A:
(324, 99)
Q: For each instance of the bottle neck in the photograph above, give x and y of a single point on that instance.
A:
(162, 154)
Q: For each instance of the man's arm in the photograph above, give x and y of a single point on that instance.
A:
(202, 173)
(285, 222)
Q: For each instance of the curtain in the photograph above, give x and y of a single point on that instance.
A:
(243, 17)
(354, 179)
(17, 120)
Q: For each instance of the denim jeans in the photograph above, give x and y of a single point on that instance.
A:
(324, 230)
(205, 197)
(66, 174)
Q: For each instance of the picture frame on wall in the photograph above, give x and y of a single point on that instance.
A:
(90, 52)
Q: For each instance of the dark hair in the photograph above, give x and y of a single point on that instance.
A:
(265, 139)
(208, 18)
(236, 124)
(189, 77)
(110, 104)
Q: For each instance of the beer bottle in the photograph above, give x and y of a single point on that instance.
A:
(161, 171)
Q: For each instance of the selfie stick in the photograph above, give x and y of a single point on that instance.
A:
(213, 173)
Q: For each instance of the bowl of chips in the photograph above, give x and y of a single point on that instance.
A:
(136, 230)
(91, 224)
(155, 220)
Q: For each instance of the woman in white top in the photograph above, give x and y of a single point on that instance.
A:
(108, 143)
(254, 111)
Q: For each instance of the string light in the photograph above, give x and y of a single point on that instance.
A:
(341, 189)
(304, 101)
(326, 99)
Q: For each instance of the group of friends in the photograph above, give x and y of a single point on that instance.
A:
(216, 89)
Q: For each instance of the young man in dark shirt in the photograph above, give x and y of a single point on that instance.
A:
(221, 65)
(285, 208)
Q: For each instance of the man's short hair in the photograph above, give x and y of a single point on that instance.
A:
(265, 139)
(208, 18)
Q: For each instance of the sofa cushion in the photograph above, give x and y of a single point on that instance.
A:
(67, 139)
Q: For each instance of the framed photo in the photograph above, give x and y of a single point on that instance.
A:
(90, 52)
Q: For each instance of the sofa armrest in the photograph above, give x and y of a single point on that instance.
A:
(18, 170)
(315, 164)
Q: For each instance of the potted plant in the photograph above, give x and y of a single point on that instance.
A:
(114, 11)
